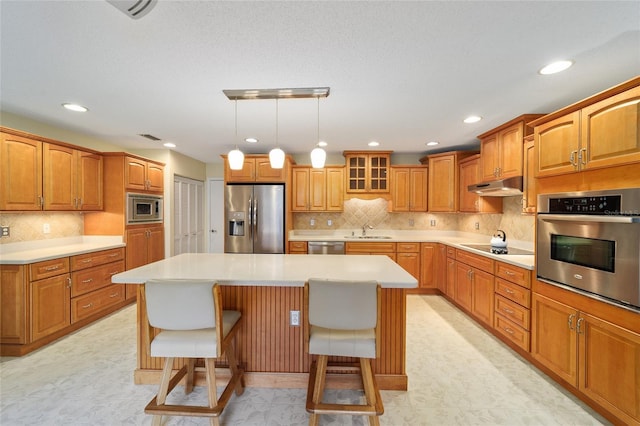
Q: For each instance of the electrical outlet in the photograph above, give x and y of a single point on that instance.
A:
(433, 222)
(477, 225)
(46, 228)
(329, 222)
(294, 318)
(411, 222)
(5, 231)
(312, 222)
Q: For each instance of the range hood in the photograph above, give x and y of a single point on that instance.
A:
(498, 188)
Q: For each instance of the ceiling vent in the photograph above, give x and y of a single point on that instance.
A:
(135, 9)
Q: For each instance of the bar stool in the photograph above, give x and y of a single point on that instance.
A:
(342, 319)
(192, 325)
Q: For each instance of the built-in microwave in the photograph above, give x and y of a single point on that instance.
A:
(590, 241)
(143, 208)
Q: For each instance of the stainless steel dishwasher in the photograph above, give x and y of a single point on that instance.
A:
(325, 247)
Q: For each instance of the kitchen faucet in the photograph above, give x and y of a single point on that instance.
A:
(364, 229)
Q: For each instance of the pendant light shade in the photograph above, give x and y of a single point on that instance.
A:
(236, 159)
(318, 157)
(276, 155)
(235, 156)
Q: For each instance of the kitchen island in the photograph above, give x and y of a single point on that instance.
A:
(265, 288)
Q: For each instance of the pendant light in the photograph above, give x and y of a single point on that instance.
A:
(276, 155)
(318, 155)
(235, 156)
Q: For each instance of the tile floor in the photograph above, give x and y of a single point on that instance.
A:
(458, 375)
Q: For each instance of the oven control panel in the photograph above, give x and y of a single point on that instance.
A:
(602, 205)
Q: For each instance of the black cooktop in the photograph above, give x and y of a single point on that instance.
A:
(498, 250)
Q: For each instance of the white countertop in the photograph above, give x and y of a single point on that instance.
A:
(38, 250)
(285, 270)
(452, 238)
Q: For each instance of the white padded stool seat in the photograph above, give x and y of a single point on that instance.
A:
(186, 320)
(200, 343)
(342, 320)
(353, 343)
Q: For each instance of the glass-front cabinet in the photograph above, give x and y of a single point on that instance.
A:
(368, 171)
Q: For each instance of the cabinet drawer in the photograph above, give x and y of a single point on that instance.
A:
(49, 268)
(90, 303)
(383, 248)
(451, 252)
(514, 274)
(408, 247)
(87, 260)
(514, 312)
(92, 279)
(513, 292)
(479, 262)
(297, 246)
(511, 331)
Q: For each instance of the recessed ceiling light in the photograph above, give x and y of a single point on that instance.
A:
(322, 143)
(251, 140)
(433, 143)
(169, 144)
(472, 119)
(373, 143)
(555, 67)
(75, 107)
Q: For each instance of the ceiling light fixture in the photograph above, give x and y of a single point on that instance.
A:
(169, 144)
(75, 107)
(433, 143)
(318, 155)
(235, 156)
(555, 67)
(301, 92)
(472, 119)
(251, 140)
(276, 155)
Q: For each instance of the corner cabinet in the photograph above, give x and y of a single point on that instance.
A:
(444, 183)
(409, 188)
(599, 132)
(40, 175)
(599, 358)
(367, 172)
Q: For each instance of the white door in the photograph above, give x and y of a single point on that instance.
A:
(188, 229)
(216, 215)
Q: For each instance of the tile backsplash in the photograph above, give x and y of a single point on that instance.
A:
(374, 212)
(30, 226)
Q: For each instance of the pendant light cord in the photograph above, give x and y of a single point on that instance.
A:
(236, 137)
(276, 122)
(318, 119)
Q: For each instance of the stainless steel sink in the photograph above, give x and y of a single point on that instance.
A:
(368, 237)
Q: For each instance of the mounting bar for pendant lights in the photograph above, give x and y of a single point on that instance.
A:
(285, 93)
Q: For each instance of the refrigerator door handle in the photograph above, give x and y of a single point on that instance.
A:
(254, 220)
(250, 218)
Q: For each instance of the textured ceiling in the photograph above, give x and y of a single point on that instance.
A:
(400, 73)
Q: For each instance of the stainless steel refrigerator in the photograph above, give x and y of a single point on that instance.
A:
(254, 219)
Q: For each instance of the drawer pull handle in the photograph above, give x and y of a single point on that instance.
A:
(87, 281)
(114, 295)
(87, 260)
(113, 273)
(114, 254)
(52, 268)
(507, 310)
(508, 330)
(87, 306)
(509, 291)
(509, 273)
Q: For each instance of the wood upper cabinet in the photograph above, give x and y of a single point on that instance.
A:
(598, 132)
(367, 171)
(471, 202)
(72, 179)
(409, 188)
(317, 189)
(501, 148)
(529, 194)
(143, 175)
(20, 173)
(256, 168)
(444, 180)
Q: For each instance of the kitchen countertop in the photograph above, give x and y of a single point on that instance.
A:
(38, 250)
(451, 238)
(282, 270)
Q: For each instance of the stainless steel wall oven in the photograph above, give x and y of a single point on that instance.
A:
(591, 241)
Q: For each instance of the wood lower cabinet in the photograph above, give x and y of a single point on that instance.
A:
(599, 358)
(451, 266)
(46, 300)
(512, 304)
(474, 289)
(298, 247)
(145, 244)
(408, 256)
(428, 253)
(388, 249)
